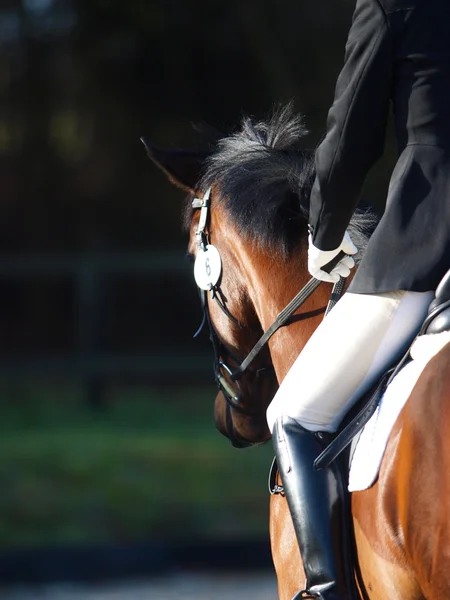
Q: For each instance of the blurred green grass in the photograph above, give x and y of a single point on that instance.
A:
(149, 465)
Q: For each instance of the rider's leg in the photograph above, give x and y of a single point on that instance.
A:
(316, 502)
(360, 338)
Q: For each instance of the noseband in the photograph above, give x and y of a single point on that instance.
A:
(209, 281)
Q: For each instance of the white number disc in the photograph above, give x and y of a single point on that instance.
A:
(207, 267)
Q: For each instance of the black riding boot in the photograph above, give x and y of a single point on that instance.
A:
(317, 504)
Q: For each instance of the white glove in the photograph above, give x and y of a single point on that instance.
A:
(319, 258)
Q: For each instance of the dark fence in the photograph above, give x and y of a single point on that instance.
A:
(100, 317)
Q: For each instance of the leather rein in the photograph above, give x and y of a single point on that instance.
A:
(225, 380)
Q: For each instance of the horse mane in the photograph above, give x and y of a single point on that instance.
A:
(264, 178)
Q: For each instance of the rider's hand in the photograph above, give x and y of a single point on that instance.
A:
(319, 258)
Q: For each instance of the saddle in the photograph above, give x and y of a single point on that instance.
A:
(436, 321)
(438, 318)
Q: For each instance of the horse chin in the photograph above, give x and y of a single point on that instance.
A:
(240, 429)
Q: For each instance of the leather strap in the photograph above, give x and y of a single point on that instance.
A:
(343, 439)
(282, 317)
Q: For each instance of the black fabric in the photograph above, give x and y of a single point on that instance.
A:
(397, 51)
(319, 511)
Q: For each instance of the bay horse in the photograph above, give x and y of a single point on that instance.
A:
(259, 180)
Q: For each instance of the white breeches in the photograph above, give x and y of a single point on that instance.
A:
(359, 339)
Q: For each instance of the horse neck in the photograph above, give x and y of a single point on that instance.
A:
(272, 283)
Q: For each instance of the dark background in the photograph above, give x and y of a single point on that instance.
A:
(100, 380)
(80, 82)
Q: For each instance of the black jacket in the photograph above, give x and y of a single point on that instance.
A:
(399, 51)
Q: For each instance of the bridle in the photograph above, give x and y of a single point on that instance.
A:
(223, 373)
(227, 378)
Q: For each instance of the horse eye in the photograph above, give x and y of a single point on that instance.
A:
(190, 257)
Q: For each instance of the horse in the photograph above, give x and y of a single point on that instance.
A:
(259, 179)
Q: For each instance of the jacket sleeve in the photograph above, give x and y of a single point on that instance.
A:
(356, 125)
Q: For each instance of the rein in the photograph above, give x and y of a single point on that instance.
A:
(283, 317)
(209, 283)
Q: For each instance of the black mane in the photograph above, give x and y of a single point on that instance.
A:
(264, 178)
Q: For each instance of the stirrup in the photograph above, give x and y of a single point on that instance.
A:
(308, 594)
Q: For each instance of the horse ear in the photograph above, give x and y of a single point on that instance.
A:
(182, 167)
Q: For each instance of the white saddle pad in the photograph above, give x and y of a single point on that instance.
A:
(372, 442)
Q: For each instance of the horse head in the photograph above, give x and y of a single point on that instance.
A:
(239, 408)
(246, 214)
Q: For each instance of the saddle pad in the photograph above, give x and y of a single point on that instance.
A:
(372, 442)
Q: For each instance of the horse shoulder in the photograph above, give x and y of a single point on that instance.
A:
(411, 500)
(382, 565)
(423, 477)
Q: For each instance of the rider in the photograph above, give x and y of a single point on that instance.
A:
(399, 51)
